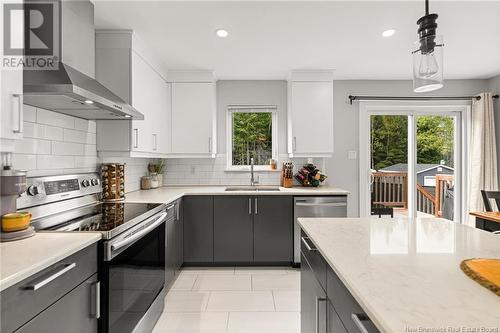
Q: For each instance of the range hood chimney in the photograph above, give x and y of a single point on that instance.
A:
(65, 88)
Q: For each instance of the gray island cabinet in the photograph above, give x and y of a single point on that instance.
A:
(326, 304)
(64, 297)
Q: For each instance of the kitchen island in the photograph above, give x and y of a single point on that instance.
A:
(405, 274)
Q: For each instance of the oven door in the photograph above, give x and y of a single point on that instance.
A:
(133, 274)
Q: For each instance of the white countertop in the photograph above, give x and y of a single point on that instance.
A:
(168, 194)
(406, 274)
(23, 258)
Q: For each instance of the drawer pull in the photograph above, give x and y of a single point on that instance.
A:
(358, 321)
(96, 310)
(318, 299)
(51, 278)
(307, 245)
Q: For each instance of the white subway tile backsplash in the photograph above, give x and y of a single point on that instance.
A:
(67, 148)
(55, 162)
(213, 172)
(90, 150)
(54, 119)
(24, 161)
(85, 125)
(70, 135)
(32, 146)
(85, 161)
(39, 131)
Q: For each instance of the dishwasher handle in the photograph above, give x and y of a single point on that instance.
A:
(320, 204)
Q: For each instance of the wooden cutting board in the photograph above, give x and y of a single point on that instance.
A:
(486, 272)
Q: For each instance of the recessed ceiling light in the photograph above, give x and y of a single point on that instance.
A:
(221, 33)
(388, 33)
(88, 101)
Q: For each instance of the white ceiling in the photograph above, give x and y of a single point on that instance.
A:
(268, 39)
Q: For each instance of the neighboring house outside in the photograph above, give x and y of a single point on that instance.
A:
(426, 173)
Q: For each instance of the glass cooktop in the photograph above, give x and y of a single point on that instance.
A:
(105, 216)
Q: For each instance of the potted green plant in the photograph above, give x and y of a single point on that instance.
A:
(158, 167)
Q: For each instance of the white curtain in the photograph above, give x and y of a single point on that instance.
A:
(482, 153)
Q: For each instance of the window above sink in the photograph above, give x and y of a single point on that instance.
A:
(252, 132)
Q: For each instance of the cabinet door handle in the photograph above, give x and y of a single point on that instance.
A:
(318, 299)
(294, 144)
(19, 98)
(308, 247)
(358, 321)
(96, 293)
(40, 284)
(136, 137)
(249, 206)
(155, 142)
(209, 144)
(256, 207)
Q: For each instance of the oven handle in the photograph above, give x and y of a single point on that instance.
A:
(140, 234)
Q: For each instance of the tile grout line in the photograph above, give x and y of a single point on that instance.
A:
(227, 323)
(208, 300)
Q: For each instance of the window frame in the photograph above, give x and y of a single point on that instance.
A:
(273, 109)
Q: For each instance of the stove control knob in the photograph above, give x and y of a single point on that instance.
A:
(85, 183)
(33, 190)
(95, 182)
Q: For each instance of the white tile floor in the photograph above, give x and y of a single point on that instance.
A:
(233, 300)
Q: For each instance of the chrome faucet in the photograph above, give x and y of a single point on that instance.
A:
(253, 181)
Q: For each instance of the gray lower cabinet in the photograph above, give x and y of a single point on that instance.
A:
(179, 234)
(327, 306)
(75, 312)
(273, 229)
(174, 243)
(253, 229)
(334, 323)
(313, 301)
(61, 298)
(198, 229)
(233, 229)
(170, 257)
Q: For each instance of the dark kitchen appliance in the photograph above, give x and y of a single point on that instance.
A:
(132, 250)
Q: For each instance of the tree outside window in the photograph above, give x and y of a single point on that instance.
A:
(252, 136)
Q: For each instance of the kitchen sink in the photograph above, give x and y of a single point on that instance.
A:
(252, 188)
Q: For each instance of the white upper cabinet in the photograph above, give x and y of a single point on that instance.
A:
(310, 114)
(193, 114)
(125, 67)
(11, 93)
(11, 104)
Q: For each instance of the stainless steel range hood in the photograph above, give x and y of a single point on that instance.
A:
(69, 91)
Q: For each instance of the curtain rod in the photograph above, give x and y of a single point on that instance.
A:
(411, 98)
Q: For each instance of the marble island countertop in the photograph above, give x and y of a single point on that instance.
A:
(23, 258)
(168, 194)
(406, 274)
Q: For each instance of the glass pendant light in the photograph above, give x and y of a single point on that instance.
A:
(428, 55)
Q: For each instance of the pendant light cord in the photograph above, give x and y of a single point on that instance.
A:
(426, 7)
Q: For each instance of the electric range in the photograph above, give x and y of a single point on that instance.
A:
(131, 252)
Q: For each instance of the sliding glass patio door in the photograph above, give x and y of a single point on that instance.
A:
(412, 160)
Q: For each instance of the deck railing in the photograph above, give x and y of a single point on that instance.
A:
(391, 189)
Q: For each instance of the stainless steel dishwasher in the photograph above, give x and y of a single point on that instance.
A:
(328, 206)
